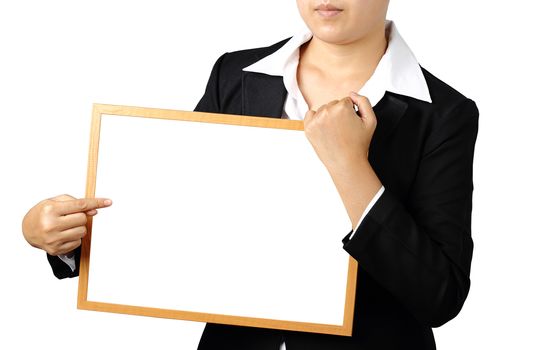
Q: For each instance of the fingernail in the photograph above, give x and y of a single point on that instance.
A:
(107, 202)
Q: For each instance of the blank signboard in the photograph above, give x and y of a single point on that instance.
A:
(215, 218)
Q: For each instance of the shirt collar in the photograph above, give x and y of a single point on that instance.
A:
(398, 70)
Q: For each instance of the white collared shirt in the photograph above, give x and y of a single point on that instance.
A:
(398, 71)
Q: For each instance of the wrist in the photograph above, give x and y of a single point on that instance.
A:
(351, 167)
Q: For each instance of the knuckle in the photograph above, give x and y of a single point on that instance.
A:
(364, 99)
(52, 251)
(341, 105)
(48, 208)
(62, 197)
(48, 226)
(309, 129)
(49, 241)
(81, 204)
(325, 116)
(81, 218)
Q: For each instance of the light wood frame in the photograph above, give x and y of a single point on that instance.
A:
(85, 304)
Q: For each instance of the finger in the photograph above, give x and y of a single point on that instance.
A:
(68, 221)
(310, 114)
(68, 247)
(364, 107)
(92, 212)
(81, 204)
(347, 101)
(331, 103)
(72, 234)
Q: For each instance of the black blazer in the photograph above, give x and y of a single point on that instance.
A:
(414, 247)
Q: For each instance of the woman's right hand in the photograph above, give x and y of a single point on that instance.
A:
(58, 224)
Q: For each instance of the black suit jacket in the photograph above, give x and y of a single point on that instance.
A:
(414, 247)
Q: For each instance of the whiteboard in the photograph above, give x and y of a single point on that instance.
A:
(215, 218)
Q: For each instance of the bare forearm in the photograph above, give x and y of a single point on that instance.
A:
(342, 140)
(357, 185)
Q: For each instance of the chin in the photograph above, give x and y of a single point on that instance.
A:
(333, 32)
(330, 35)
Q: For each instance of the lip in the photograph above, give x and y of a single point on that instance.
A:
(327, 7)
(327, 10)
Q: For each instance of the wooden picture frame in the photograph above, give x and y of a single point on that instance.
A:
(299, 280)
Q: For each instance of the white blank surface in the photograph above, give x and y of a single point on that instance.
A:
(217, 218)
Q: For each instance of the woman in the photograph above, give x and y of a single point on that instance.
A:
(403, 168)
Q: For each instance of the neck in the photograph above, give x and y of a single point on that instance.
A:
(358, 58)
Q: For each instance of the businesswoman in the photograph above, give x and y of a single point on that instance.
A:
(402, 165)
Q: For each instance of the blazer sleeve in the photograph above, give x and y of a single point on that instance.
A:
(420, 250)
(60, 269)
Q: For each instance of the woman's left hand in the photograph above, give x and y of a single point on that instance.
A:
(339, 136)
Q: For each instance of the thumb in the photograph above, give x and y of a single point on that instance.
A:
(365, 110)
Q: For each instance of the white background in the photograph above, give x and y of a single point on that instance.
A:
(58, 57)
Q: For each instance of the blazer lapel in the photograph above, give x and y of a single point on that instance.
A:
(389, 111)
(264, 95)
